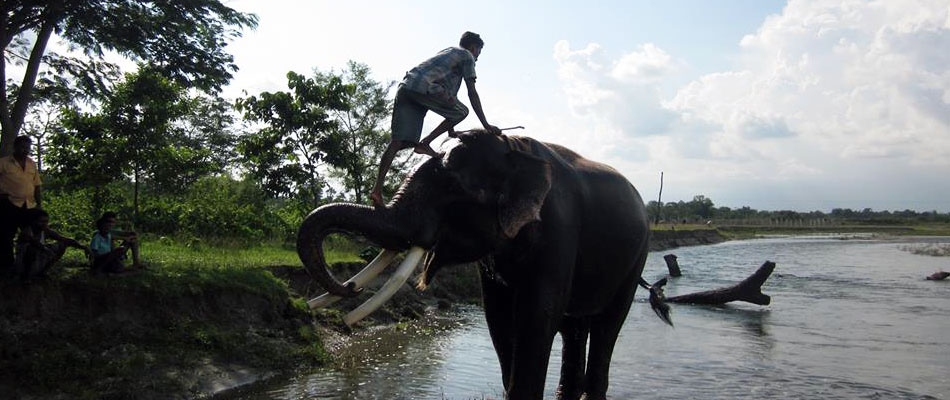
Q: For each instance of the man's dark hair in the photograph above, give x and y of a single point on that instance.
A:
(470, 38)
(21, 139)
(106, 216)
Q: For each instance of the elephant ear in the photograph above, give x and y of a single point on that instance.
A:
(524, 192)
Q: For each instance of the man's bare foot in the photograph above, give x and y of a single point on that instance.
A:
(377, 199)
(423, 148)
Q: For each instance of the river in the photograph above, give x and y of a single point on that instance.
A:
(849, 319)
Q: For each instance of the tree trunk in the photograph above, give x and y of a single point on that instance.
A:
(39, 155)
(14, 121)
(749, 290)
(6, 139)
(135, 198)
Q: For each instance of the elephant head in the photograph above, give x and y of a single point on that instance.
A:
(460, 208)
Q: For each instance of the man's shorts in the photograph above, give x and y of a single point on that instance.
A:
(409, 111)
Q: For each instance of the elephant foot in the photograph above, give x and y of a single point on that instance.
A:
(593, 397)
(563, 393)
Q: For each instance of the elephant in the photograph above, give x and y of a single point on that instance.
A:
(560, 240)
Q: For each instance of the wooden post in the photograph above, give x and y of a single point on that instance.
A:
(672, 265)
(659, 202)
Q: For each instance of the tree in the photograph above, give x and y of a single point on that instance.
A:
(295, 138)
(82, 154)
(362, 128)
(140, 115)
(50, 98)
(209, 125)
(140, 134)
(184, 40)
(701, 206)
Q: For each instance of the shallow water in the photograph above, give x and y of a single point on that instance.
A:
(849, 319)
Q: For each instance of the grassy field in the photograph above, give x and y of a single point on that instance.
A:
(166, 253)
(895, 230)
(752, 231)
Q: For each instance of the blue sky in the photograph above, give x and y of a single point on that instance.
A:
(775, 105)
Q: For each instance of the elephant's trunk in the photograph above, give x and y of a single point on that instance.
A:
(379, 226)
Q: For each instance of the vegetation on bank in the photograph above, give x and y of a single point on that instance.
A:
(158, 333)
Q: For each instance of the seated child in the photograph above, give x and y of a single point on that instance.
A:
(39, 247)
(106, 256)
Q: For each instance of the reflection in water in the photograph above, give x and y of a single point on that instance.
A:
(848, 319)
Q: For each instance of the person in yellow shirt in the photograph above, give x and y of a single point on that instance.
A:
(19, 191)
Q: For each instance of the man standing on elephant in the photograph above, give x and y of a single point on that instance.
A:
(433, 85)
(19, 191)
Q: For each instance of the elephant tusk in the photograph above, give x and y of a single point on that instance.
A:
(374, 268)
(388, 289)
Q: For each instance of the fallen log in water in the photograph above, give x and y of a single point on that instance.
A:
(749, 290)
(938, 276)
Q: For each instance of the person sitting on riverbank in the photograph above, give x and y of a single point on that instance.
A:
(39, 247)
(106, 256)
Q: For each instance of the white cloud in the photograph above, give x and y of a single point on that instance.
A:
(858, 79)
(623, 94)
(822, 95)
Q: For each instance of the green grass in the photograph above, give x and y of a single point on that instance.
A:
(741, 231)
(931, 229)
(163, 252)
(195, 266)
(681, 227)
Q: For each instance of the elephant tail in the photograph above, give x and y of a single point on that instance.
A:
(657, 299)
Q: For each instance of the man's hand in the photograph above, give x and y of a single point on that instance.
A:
(493, 129)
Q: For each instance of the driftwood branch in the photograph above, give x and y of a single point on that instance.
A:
(749, 290)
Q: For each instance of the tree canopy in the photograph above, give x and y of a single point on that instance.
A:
(183, 40)
(362, 127)
(295, 138)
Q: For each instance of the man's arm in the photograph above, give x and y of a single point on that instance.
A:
(38, 195)
(124, 235)
(69, 241)
(477, 106)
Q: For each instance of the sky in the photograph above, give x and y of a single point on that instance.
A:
(798, 105)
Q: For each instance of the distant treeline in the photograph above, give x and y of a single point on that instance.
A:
(702, 209)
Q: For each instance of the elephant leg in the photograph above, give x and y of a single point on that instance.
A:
(574, 331)
(534, 336)
(540, 303)
(605, 327)
(499, 314)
